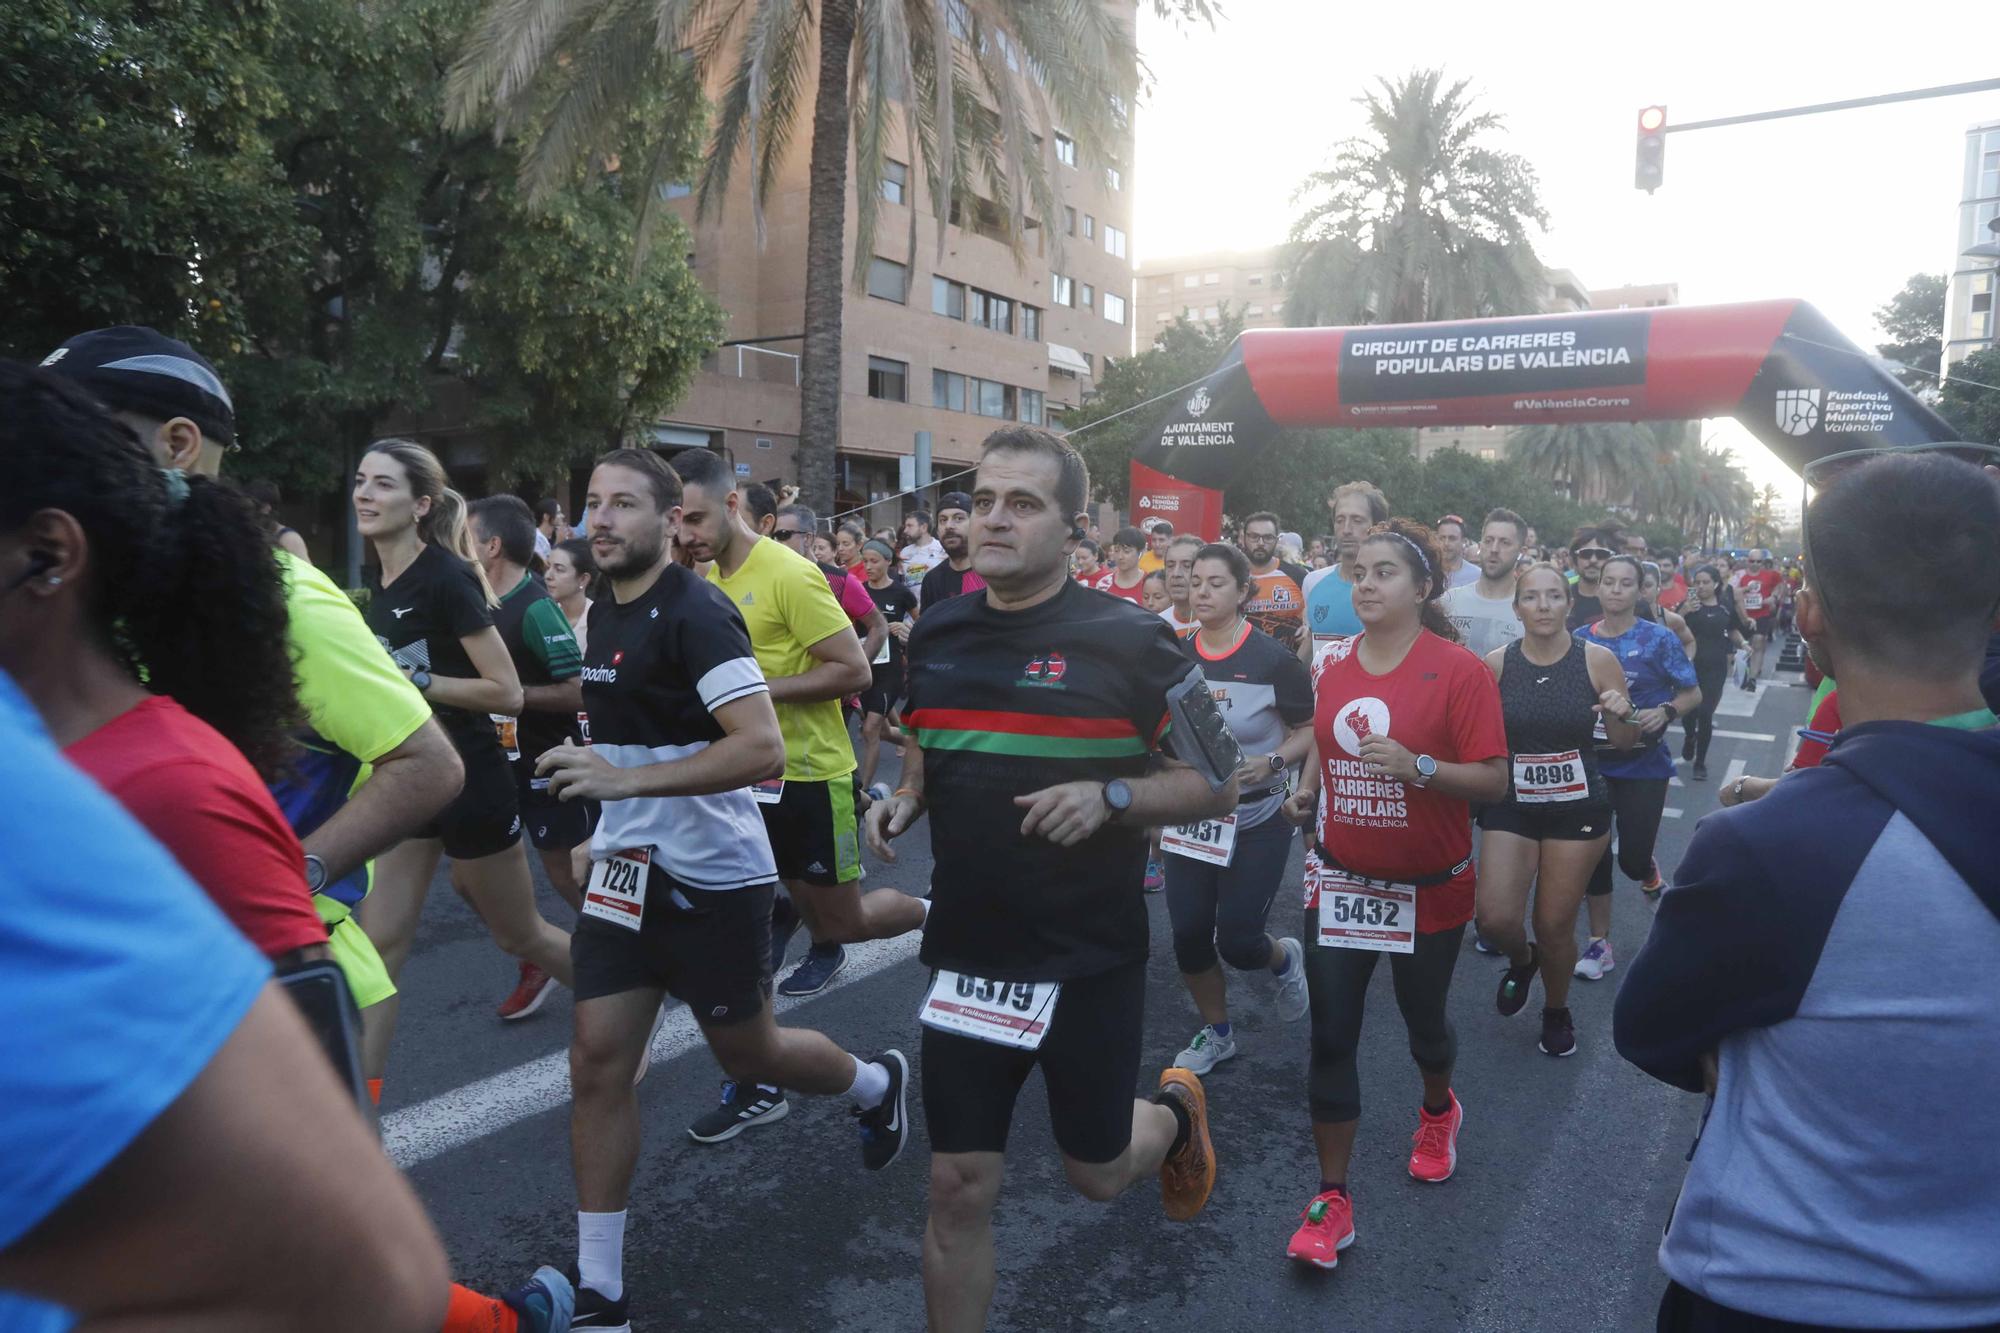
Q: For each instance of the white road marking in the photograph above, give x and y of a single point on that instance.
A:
(1747, 735)
(1738, 703)
(1670, 813)
(1736, 769)
(415, 1134)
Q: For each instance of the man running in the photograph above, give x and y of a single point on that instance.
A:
(1759, 594)
(1159, 533)
(956, 575)
(549, 526)
(679, 902)
(1329, 593)
(1590, 548)
(1036, 707)
(1483, 610)
(1458, 571)
(1179, 575)
(1277, 601)
(921, 551)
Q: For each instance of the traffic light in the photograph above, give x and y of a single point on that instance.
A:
(1651, 169)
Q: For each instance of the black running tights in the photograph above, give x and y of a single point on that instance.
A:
(1636, 806)
(1338, 979)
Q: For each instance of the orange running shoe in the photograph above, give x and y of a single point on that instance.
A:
(1434, 1154)
(1187, 1177)
(529, 993)
(1326, 1228)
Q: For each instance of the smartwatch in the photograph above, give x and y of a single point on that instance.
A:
(1427, 768)
(1671, 711)
(315, 873)
(422, 680)
(1117, 796)
(1277, 763)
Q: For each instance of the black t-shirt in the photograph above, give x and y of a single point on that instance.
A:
(942, 584)
(1584, 608)
(896, 603)
(1005, 703)
(1710, 626)
(420, 619)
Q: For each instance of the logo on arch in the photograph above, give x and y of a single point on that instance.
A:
(1358, 721)
(1798, 410)
(1198, 405)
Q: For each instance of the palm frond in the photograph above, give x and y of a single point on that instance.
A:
(505, 51)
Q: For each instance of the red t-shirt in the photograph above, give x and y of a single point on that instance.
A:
(1758, 593)
(199, 796)
(1826, 721)
(1100, 580)
(1674, 593)
(1441, 700)
(1136, 594)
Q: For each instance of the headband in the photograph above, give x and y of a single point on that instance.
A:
(1423, 561)
(880, 548)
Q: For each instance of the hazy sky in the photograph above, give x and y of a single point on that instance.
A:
(1837, 209)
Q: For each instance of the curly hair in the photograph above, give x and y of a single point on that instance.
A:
(1418, 550)
(186, 592)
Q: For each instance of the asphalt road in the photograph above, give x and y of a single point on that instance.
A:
(1566, 1172)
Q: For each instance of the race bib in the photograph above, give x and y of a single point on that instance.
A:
(1356, 913)
(1007, 1013)
(617, 890)
(1753, 597)
(1542, 778)
(509, 731)
(769, 792)
(1598, 735)
(1210, 840)
(583, 728)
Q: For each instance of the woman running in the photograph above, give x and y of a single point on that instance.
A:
(847, 542)
(898, 605)
(572, 574)
(1086, 568)
(1662, 684)
(1221, 877)
(1649, 607)
(1552, 829)
(1407, 732)
(1126, 579)
(430, 606)
(1715, 639)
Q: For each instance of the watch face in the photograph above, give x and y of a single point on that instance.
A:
(1427, 766)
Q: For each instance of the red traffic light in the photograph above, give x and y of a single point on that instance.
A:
(1652, 118)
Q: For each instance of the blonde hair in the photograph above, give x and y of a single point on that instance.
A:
(445, 525)
(1541, 566)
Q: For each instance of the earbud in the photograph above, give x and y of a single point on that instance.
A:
(39, 562)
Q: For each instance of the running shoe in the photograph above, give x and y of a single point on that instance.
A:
(1208, 1049)
(598, 1313)
(878, 791)
(1687, 748)
(886, 1128)
(1293, 997)
(820, 966)
(1434, 1147)
(1558, 1033)
(1156, 874)
(742, 1107)
(1516, 982)
(1700, 770)
(1750, 685)
(1596, 961)
(531, 992)
(546, 1303)
(1479, 942)
(784, 925)
(1655, 885)
(1187, 1177)
(1325, 1229)
(646, 1051)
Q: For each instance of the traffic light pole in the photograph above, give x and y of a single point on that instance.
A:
(1914, 95)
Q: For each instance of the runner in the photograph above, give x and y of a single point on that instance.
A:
(549, 526)
(547, 660)
(1277, 603)
(1179, 614)
(847, 540)
(1158, 533)
(956, 575)
(879, 703)
(1036, 707)
(1590, 548)
(679, 903)
(1649, 608)
(1458, 571)
(1329, 593)
(1483, 611)
(1222, 875)
(1759, 594)
(433, 610)
(1714, 630)
(1406, 731)
(921, 552)
(1153, 593)
(797, 526)
(1128, 579)
(1555, 824)
(1661, 685)
(1087, 566)
(571, 578)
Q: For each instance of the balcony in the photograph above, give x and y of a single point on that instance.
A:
(759, 364)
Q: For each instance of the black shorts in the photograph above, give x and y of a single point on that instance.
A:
(1761, 629)
(553, 824)
(485, 817)
(710, 948)
(886, 692)
(815, 836)
(1562, 821)
(1089, 1060)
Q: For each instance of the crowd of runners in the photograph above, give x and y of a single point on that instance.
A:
(683, 702)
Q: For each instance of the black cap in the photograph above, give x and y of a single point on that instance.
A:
(955, 500)
(131, 368)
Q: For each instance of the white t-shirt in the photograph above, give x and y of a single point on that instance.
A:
(920, 560)
(1466, 573)
(1179, 626)
(1483, 623)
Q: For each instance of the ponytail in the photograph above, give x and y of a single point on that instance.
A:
(445, 524)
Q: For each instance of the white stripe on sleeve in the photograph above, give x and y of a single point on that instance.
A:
(730, 681)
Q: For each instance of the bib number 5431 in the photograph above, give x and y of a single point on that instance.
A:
(1007, 1013)
(1210, 840)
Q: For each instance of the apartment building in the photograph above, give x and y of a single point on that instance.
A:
(1249, 282)
(1975, 251)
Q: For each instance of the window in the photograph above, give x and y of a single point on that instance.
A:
(1489, 454)
(1112, 179)
(1164, 317)
(1062, 290)
(1210, 279)
(990, 398)
(1090, 363)
(948, 390)
(1031, 323)
(895, 181)
(1089, 227)
(1251, 312)
(888, 379)
(888, 279)
(1189, 312)
(1212, 313)
(1069, 220)
(1065, 150)
(1114, 307)
(1255, 280)
(1114, 241)
(947, 298)
(1031, 406)
(1163, 288)
(1191, 280)
(999, 314)
(1088, 298)
(675, 189)
(975, 306)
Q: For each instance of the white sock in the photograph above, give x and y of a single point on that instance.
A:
(926, 903)
(871, 1084)
(600, 1253)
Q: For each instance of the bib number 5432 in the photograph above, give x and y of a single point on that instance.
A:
(1356, 913)
(1007, 1013)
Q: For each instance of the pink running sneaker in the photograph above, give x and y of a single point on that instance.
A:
(1434, 1154)
(1325, 1229)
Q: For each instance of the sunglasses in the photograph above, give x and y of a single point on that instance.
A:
(1593, 553)
(1824, 472)
(786, 534)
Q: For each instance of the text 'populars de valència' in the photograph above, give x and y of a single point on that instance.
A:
(1546, 350)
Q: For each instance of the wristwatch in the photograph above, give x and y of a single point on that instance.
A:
(1671, 711)
(1736, 791)
(1427, 768)
(1117, 796)
(422, 680)
(315, 873)
(1277, 762)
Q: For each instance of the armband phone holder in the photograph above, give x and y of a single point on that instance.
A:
(1201, 738)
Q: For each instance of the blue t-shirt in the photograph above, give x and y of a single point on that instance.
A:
(119, 981)
(1330, 605)
(1656, 669)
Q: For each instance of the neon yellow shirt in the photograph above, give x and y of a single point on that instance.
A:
(788, 607)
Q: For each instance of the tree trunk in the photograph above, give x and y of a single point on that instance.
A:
(826, 266)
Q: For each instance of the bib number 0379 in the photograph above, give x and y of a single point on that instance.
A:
(1007, 1013)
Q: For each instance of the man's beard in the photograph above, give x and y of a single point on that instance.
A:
(954, 543)
(1260, 554)
(633, 557)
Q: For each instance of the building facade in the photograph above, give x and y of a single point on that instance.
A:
(1975, 251)
(1250, 283)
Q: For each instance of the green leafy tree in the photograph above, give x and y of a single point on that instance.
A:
(1971, 400)
(1761, 527)
(1418, 219)
(1182, 353)
(1599, 461)
(1914, 320)
(968, 94)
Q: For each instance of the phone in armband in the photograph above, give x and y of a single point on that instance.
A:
(1201, 738)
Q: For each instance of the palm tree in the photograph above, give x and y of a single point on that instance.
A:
(1591, 461)
(973, 91)
(1418, 219)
